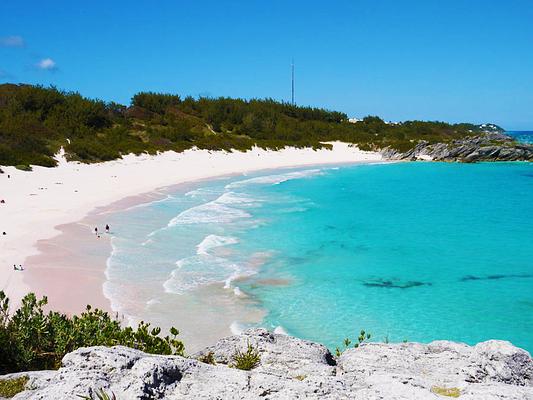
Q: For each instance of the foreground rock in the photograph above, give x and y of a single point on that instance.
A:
(291, 368)
(489, 146)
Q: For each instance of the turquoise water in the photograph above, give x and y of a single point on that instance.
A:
(408, 251)
(522, 136)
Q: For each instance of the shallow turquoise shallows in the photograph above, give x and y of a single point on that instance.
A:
(407, 251)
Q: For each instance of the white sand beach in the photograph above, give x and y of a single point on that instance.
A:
(37, 203)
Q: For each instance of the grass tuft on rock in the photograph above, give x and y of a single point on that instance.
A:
(10, 387)
(208, 358)
(247, 360)
(448, 392)
(99, 394)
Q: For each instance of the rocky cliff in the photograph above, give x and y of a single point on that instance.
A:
(291, 368)
(487, 146)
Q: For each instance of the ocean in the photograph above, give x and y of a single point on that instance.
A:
(406, 251)
(522, 136)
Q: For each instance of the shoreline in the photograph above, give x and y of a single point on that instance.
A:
(46, 208)
(216, 312)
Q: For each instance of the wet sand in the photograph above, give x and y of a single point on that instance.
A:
(69, 268)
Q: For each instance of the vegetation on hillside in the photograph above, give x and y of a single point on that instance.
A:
(36, 121)
(31, 339)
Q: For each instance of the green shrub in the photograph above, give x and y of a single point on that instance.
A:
(10, 387)
(363, 337)
(155, 102)
(31, 339)
(246, 360)
(24, 167)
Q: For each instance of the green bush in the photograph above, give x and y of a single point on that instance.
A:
(246, 360)
(31, 339)
(155, 102)
(23, 167)
(362, 338)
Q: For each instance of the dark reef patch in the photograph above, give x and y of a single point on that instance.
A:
(389, 284)
(470, 278)
(467, 278)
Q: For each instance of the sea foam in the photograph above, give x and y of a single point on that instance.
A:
(201, 270)
(280, 330)
(214, 241)
(275, 179)
(150, 203)
(205, 268)
(236, 328)
(216, 211)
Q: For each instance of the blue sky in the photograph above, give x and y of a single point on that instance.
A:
(454, 60)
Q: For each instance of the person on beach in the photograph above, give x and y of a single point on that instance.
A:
(96, 231)
(107, 228)
(14, 267)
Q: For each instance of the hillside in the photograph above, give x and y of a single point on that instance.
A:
(36, 121)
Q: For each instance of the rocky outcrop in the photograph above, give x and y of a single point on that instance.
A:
(291, 368)
(488, 146)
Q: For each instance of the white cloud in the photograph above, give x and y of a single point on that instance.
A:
(11, 41)
(47, 64)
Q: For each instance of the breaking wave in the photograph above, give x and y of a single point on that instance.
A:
(275, 179)
(216, 211)
(214, 241)
(204, 268)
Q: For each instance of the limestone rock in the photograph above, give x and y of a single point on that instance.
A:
(281, 355)
(489, 146)
(292, 368)
(493, 369)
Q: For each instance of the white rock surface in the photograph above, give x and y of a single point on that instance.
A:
(291, 368)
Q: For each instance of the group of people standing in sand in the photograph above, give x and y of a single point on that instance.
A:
(96, 230)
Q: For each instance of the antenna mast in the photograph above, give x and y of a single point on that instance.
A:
(292, 75)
